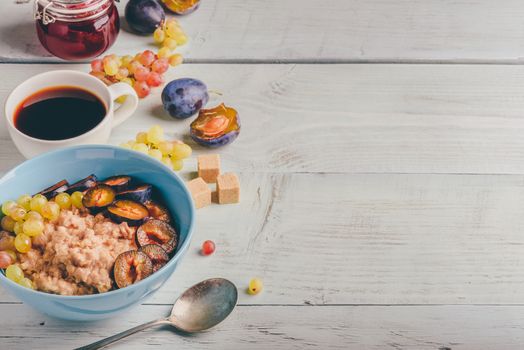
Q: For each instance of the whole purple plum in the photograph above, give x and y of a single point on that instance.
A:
(184, 97)
(144, 16)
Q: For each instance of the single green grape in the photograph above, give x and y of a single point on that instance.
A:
(14, 273)
(19, 228)
(165, 147)
(141, 147)
(111, 67)
(76, 199)
(23, 243)
(7, 206)
(63, 200)
(8, 223)
(178, 164)
(51, 211)
(181, 151)
(18, 213)
(33, 215)
(33, 227)
(141, 137)
(167, 161)
(155, 153)
(255, 286)
(155, 134)
(24, 201)
(26, 282)
(159, 35)
(37, 202)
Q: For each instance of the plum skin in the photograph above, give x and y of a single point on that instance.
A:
(184, 97)
(144, 16)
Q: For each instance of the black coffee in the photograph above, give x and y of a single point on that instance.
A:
(59, 113)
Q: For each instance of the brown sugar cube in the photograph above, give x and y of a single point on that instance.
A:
(200, 192)
(228, 188)
(209, 167)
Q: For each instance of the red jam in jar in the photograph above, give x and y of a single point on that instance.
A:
(76, 29)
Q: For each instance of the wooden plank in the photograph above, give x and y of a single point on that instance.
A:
(364, 239)
(346, 118)
(337, 30)
(288, 327)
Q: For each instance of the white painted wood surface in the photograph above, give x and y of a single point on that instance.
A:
(381, 203)
(329, 30)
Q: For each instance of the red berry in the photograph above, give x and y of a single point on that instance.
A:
(154, 79)
(208, 247)
(147, 57)
(160, 66)
(141, 88)
(97, 65)
(141, 73)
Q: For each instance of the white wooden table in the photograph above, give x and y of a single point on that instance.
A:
(382, 171)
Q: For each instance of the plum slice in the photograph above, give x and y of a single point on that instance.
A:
(57, 188)
(84, 184)
(157, 211)
(140, 194)
(98, 197)
(157, 255)
(157, 232)
(215, 127)
(119, 183)
(128, 211)
(131, 267)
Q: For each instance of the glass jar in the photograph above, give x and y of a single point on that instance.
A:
(76, 29)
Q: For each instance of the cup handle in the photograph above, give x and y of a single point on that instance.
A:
(130, 104)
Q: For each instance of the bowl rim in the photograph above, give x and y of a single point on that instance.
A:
(179, 253)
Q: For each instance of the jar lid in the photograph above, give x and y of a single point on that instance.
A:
(69, 10)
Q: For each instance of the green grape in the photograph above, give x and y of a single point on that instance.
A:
(173, 29)
(164, 52)
(18, 213)
(181, 151)
(155, 153)
(24, 201)
(141, 147)
(37, 202)
(18, 229)
(165, 147)
(63, 200)
(51, 211)
(23, 243)
(141, 137)
(11, 254)
(181, 39)
(167, 161)
(14, 273)
(178, 164)
(125, 60)
(33, 215)
(8, 223)
(126, 145)
(7, 206)
(33, 227)
(170, 43)
(111, 67)
(76, 199)
(159, 35)
(26, 282)
(255, 286)
(155, 134)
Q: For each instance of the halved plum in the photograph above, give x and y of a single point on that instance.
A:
(131, 212)
(157, 211)
(140, 194)
(57, 188)
(119, 183)
(157, 255)
(98, 197)
(157, 232)
(131, 267)
(84, 184)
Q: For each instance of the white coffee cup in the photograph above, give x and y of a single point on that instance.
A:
(30, 146)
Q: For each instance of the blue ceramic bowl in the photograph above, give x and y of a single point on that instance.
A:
(74, 164)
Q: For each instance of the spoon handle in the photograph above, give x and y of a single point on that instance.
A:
(109, 340)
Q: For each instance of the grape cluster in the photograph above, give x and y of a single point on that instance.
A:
(169, 36)
(154, 144)
(26, 219)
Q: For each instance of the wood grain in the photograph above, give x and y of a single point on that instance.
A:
(346, 118)
(364, 239)
(312, 31)
(289, 327)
